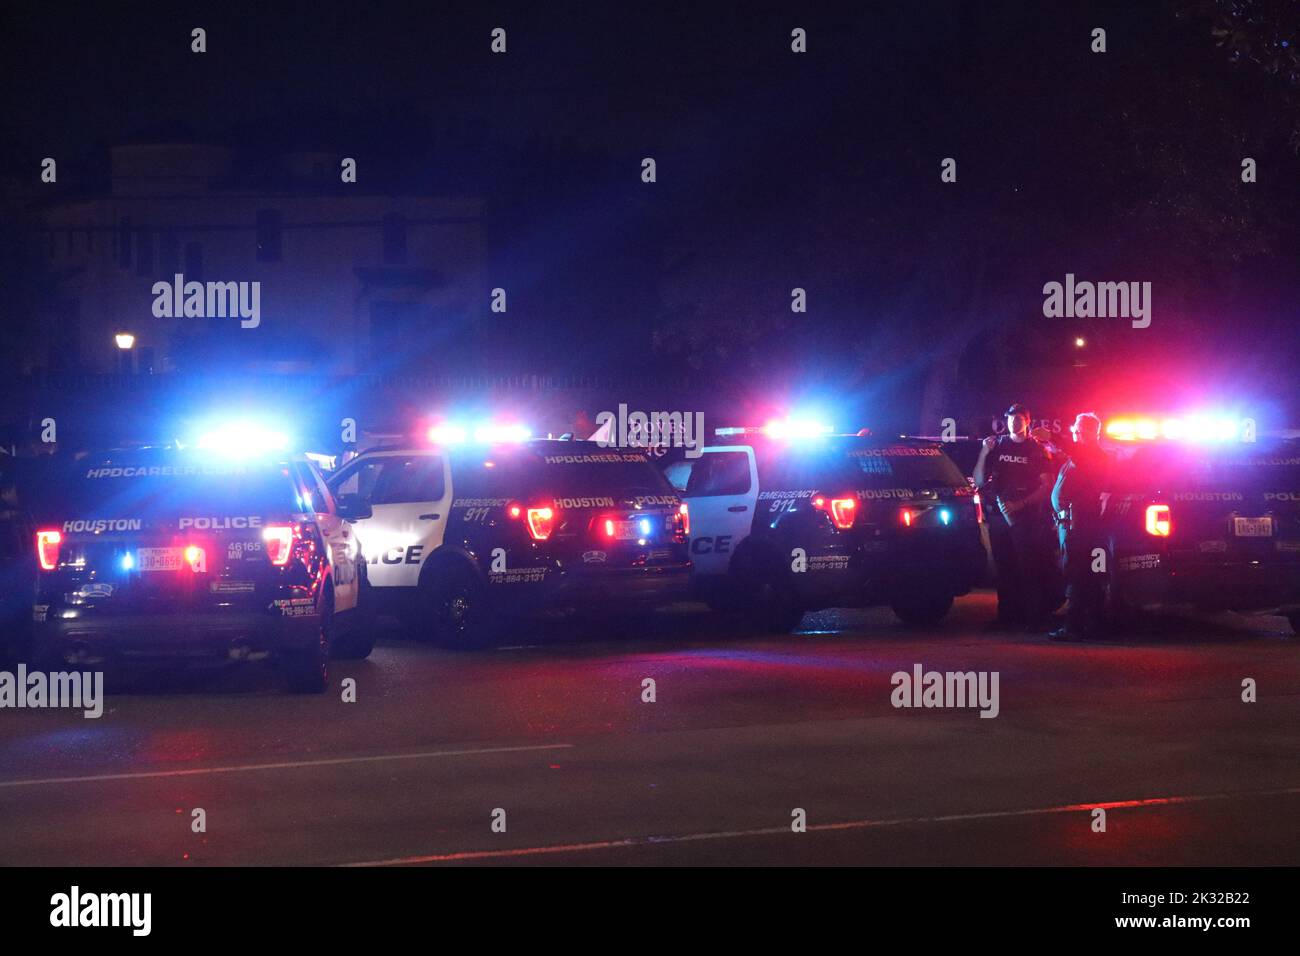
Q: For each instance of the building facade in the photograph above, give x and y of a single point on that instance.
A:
(346, 280)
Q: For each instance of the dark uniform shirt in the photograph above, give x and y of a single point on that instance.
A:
(1014, 469)
(1081, 482)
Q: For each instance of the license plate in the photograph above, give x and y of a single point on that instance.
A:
(1252, 527)
(631, 530)
(160, 559)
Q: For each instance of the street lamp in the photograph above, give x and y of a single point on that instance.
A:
(1080, 342)
(125, 343)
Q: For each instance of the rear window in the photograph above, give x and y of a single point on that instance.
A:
(152, 485)
(603, 472)
(1159, 467)
(561, 469)
(859, 465)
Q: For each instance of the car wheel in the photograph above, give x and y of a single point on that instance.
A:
(459, 612)
(306, 670)
(923, 610)
(1116, 613)
(770, 604)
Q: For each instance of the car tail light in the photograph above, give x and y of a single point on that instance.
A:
(907, 516)
(979, 509)
(684, 520)
(541, 522)
(196, 558)
(842, 510)
(47, 548)
(279, 543)
(1158, 521)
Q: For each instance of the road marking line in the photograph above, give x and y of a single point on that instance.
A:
(815, 827)
(286, 765)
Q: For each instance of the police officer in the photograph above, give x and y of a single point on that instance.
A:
(1076, 501)
(1014, 474)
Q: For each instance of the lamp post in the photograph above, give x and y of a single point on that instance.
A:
(125, 343)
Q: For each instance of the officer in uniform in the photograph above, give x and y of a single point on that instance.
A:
(1077, 505)
(1014, 474)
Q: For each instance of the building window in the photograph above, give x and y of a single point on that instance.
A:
(144, 252)
(194, 262)
(269, 230)
(169, 252)
(124, 242)
(394, 238)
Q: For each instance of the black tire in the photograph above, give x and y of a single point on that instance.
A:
(354, 637)
(1115, 612)
(769, 605)
(923, 610)
(457, 611)
(306, 670)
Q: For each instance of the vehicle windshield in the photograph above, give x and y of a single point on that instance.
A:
(1237, 468)
(854, 463)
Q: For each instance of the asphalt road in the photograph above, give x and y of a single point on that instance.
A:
(743, 731)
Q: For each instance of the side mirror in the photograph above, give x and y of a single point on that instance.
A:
(353, 508)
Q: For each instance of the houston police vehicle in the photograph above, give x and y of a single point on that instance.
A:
(789, 518)
(223, 549)
(1195, 516)
(470, 528)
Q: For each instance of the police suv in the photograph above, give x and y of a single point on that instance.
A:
(1214, 524)
(788, 518)
(169, 552)
(464, 535)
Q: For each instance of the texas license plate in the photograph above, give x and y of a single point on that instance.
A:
(1252, 527)
(631, 530)
(160, 559)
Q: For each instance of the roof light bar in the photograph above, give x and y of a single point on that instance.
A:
(1194, 428)
(782, 428)
(488, 433)
(243, 439)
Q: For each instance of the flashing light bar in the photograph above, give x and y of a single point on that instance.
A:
(451, 433)
(781, 428)
(243, 439)
(1195, 428)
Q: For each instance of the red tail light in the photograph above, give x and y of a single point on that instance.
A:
(541, 522)
(906, 515)
(279, 543)
(47, 548)
(684, 520)
(842, 510)
(979, 509)
(196, 558)
(1158, 521)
